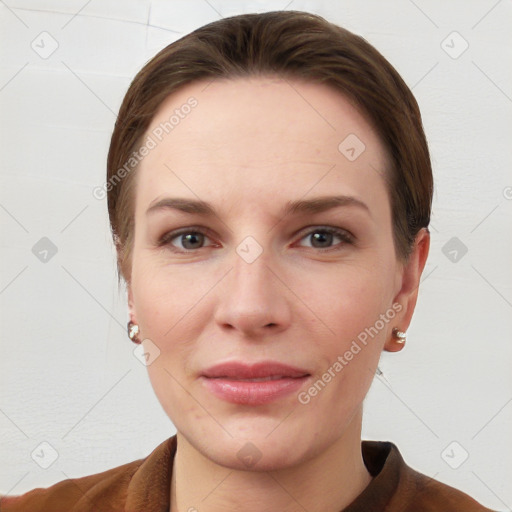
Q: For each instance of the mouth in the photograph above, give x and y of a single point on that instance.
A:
(253, 384)
(260, 379)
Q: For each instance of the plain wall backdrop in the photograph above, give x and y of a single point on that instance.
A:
(74, 398)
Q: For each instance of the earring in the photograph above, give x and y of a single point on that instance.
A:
(399, 335)
(133, 332)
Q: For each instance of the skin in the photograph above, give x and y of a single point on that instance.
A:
(248, 147)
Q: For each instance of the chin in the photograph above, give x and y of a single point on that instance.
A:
(257, 444)
(258, 455)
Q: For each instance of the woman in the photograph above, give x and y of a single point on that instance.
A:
(269, 192)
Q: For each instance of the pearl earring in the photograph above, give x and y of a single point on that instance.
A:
(133, 332)
(399, 335)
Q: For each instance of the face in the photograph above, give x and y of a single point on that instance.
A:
(273, 271)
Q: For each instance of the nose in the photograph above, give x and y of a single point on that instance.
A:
(253, 299)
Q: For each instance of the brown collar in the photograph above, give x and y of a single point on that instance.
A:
(149, 487)
(395, 486)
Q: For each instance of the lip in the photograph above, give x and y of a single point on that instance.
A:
(229, 381)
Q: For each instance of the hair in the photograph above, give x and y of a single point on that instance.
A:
(292, 45)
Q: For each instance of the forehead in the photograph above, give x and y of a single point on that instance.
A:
(253, 135)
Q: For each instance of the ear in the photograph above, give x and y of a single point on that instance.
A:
(131, 305)
(407, 285)
(127, 279)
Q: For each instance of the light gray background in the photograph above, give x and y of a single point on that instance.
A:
(68, 375)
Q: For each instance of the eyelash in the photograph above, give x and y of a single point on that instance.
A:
(345, 236)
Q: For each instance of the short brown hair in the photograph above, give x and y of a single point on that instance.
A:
(289, 44)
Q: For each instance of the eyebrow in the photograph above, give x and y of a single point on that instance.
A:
(301, 206)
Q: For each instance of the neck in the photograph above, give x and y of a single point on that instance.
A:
(329, 482)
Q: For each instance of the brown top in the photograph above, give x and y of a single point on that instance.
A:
(143, 486)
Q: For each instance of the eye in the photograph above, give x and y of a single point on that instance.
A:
(188, 239)
(323, 237)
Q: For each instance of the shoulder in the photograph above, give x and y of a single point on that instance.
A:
(68, 493)
(416, 492)
(108, 491)
(433, 495)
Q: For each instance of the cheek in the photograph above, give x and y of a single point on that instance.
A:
(349, 298)
(164, 302)
(350, 303)
(165, 296)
